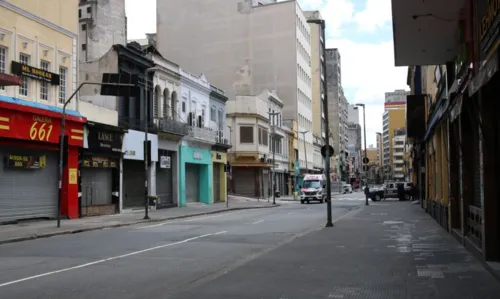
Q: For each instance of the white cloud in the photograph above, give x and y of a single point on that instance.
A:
(369, 70)
(376, 14)
(337, 13)
(309, 4)
(141, 17)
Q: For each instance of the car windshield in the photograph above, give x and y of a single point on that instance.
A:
(312, 184)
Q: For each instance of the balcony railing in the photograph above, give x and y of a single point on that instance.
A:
(137, 124)
(221, 140)
(169, 125)
(202, 134)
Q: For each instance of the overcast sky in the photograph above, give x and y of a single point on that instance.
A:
(360, 29)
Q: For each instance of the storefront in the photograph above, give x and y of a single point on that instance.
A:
(133, 168)
(195, 175)
(251, 175)
(166, 171)
(100, 170)
(29, 148)
(219, 176)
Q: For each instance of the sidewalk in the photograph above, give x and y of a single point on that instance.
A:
(44, 229)
(390, 250)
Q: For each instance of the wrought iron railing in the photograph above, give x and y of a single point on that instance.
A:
(137, 124)
(169, 125)
(202, 134)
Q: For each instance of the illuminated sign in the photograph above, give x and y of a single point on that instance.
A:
(21, 69)
(25, 162)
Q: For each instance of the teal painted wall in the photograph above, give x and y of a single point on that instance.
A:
(187, 155)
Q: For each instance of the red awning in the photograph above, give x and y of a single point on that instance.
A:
(9, 80)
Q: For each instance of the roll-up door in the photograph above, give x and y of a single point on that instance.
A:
(244, 181)
(27, 193)
(133, 183)
(97, 184)
(164, 184)
(217, 182)
(192, 182)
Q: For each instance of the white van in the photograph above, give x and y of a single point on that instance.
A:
(313, 188)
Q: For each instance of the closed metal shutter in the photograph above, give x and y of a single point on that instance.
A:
(244, 181)
(265, 182)
(164, 184)
(133, 183)
(192, 182)
(97, 184)
(28, 193)
(217, 181)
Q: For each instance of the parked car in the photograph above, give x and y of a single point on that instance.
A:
(390, 190)
(347, 188)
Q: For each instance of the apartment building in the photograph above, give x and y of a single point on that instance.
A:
(38, 73)
(318, 86)
(393, 118)
(380, 156)
(398, 154)
(102, 24)
(249, 58)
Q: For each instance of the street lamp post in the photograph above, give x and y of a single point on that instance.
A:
(305, 148)
(273, 175)
(329, 222)
(366, 156)
(146, 147)
(61, 139)
(227, 187)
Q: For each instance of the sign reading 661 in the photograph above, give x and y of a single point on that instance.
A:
(41, 128)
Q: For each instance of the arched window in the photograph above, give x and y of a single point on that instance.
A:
(156, 102)
(166, 100)
(174, 105)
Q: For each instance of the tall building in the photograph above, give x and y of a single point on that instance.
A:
(250, 57)
(354, 147)
(38, 73)
(398, 155)
(380, 156)
(102, 25)
(353, 114)
(393, 118)
(318, 86)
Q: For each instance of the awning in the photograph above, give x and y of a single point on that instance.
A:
(438, 113)
(10, 80)
(484, 75)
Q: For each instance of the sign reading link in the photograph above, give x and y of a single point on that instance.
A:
(41, 128)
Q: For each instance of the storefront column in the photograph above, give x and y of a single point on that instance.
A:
(152, 179)
(120, 195)
(69, 204)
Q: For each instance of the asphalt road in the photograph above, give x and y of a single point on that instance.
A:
(162, 260)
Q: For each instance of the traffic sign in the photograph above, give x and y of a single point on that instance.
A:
(330, 152)
(366, 160)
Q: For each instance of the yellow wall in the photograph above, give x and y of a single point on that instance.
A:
(219, 163)
(371, 153)
(397, 120)
(50, 39)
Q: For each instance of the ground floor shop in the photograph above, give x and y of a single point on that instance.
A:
(195, 175)
(166, 171)
(29, 159)
(134, 173)
(219, 176)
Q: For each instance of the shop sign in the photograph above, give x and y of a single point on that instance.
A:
(489, 25)
(106, 141)
(34, 73)
(14, 161)
(165, 162)
(197, 156)
(100, 162)
(219, 157)
(133, 145)
(40, 128)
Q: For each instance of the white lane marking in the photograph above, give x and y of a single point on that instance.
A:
(106, 260)
(260, 221)
(188, 220)
(291, 213)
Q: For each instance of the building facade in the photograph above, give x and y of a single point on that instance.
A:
(38, 63)
(287, 70)
(102, 24)
(393, 118)
(398, 155)
(248, 120)
(195, 162)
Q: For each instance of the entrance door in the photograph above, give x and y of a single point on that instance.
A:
(192, 182)
(164, 185)
(217, 181)
(97, 184)
(28, 193)
(133, 183)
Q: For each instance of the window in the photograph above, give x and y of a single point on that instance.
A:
(183, 106)
(3, 62)
(84, 27)
(89, 9)
(212, 113)
(246, 134)
(263, 137)
(220, 117)
(79, 13)
(44, 86)
(24, 87)
(84, 47)
(63, 73)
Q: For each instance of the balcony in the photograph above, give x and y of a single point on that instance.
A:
(133, 123)
(202, 134)
(221, 141)
(170, 126)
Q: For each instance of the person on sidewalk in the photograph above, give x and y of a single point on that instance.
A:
(401, 191)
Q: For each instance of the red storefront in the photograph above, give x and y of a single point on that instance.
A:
(29, 155)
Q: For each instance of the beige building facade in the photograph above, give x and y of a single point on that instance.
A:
(268, 47)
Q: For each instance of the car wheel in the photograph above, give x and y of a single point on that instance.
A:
(301, 202)
(377, 197)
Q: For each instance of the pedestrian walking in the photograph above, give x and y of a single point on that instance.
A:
(401, 191)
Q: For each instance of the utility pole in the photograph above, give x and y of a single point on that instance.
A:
(227, 187)
(273, 140)
(329, 222)
(146, 144)
(366, 156)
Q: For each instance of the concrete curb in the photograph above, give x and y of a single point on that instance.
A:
(89, 229)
